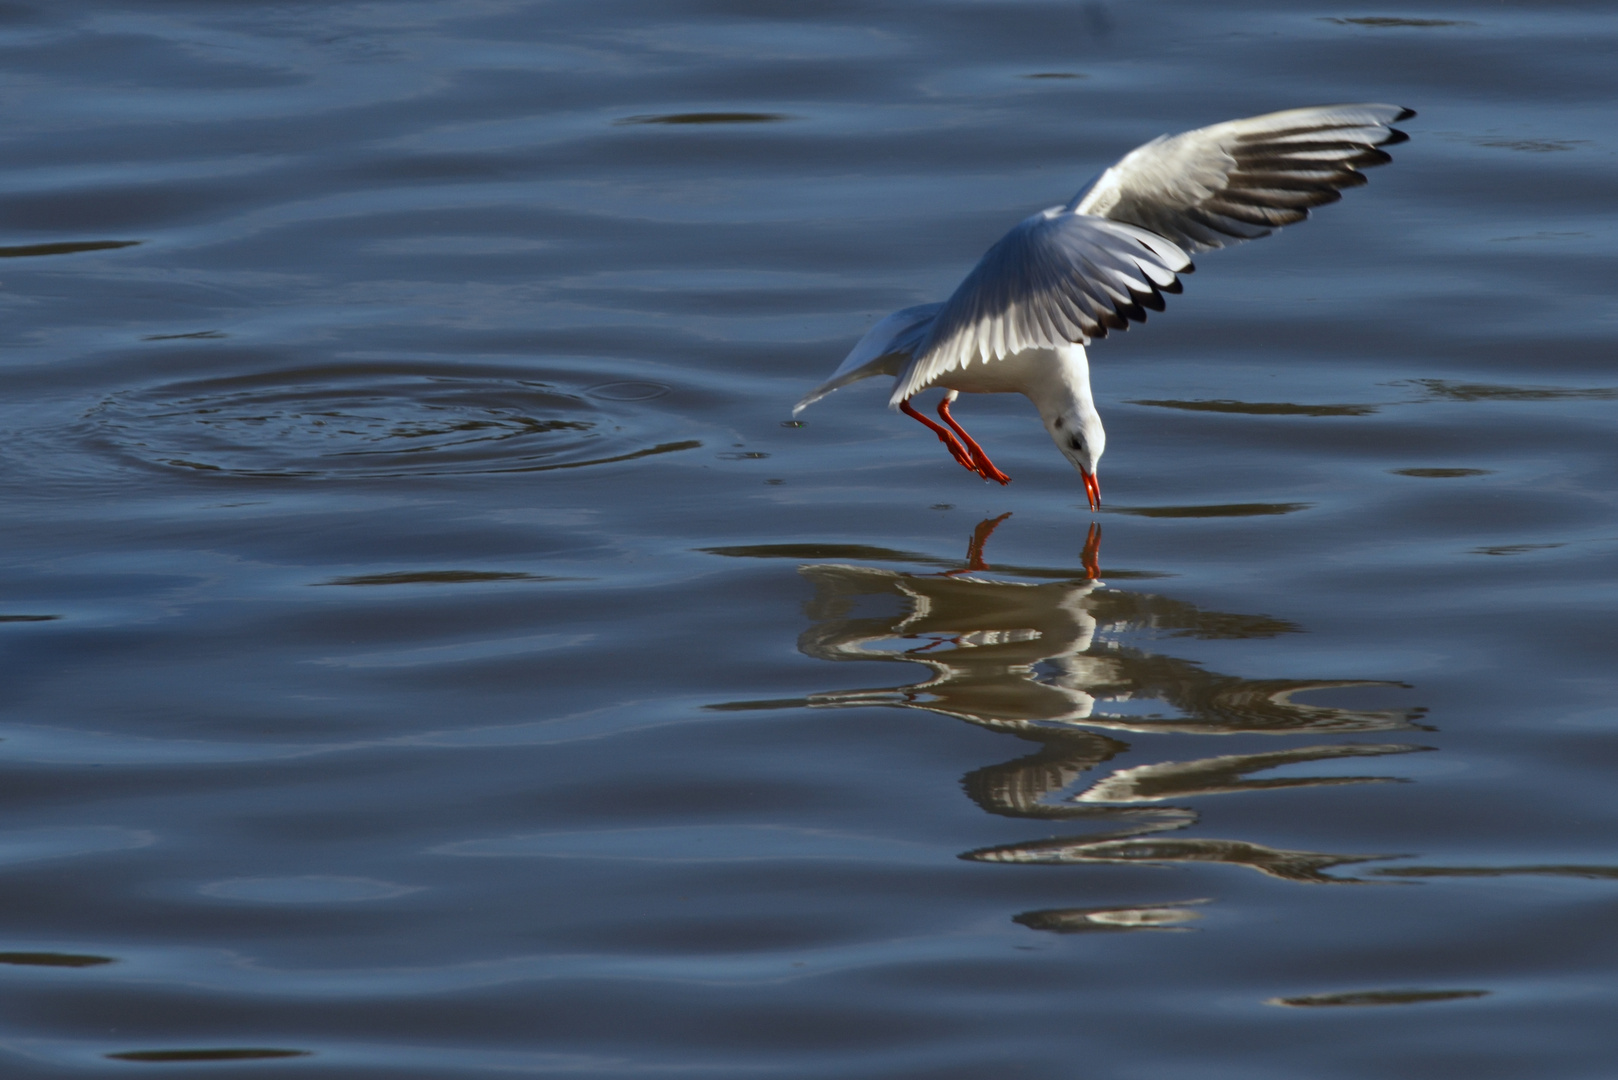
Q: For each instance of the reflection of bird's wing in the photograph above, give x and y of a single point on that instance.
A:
(1236, 181)
(884, 350)
(1057, 278)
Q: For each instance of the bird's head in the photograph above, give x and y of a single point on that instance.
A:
(1080, 437)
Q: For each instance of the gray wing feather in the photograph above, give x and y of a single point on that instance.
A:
(1237, 181)
(884, 350)
(1057, 278)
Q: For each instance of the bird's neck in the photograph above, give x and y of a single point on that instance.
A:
(1064, 387)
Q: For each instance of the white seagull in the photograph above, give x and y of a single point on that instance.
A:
(1021, 319)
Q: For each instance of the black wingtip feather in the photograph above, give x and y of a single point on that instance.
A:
(1395, 137)
(1404, 114)
(1328, 195)
(1232, 225)
(1236, 210)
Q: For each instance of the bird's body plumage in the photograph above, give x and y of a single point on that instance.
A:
(1020, 320)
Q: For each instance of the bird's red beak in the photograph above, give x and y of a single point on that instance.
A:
(1092, 489)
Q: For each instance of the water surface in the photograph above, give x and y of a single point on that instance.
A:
(431, 652)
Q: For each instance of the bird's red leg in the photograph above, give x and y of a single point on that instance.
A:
(980, 461)
(944, 437)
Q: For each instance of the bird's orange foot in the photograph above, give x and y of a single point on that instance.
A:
(986, 469)
(980, 461)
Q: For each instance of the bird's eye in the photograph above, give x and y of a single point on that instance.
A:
(1076, 443)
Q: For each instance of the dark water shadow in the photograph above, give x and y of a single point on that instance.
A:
(1531, 146)
(223, 1054)
(1444, 390)
(825, 551)
(1515, 549)
(1261, 408)
(705, 118)
(1358, 998)
(54, 959)
(442, 577)
(1392, 21)
(72, 247)
(1220, 511)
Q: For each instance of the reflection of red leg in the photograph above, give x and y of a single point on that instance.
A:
(980, 461)
(1092, 552)
(980, 536)
(944, 436)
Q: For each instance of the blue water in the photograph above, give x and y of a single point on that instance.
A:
(429, 652)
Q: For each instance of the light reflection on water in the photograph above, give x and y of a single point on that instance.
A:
(430, 650)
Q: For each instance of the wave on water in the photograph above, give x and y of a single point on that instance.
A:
(343, 423)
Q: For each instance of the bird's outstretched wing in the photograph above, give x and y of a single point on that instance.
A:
(1236, 181)
(884, 350)
(1070, 273)
(1057, 278)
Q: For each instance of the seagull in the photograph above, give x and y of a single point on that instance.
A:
(1021, 319)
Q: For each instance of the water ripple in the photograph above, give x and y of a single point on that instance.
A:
(346, 423)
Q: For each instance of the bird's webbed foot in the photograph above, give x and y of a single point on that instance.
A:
(980, 460)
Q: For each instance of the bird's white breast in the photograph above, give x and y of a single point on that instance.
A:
(1016, 374)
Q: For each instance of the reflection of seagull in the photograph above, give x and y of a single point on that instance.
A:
(1042, 662)
(1029, 658)
(1021, 319)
